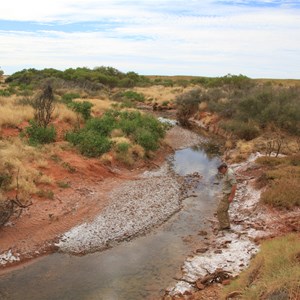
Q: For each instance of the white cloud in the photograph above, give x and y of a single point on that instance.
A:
(156, 37)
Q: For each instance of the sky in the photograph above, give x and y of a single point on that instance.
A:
(259, 39)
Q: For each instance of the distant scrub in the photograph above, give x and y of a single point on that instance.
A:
(89, 78)
(69, 97)
(128, 99)
(246, 103)
(243, 130)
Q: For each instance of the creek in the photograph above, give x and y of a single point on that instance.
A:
(137, 269)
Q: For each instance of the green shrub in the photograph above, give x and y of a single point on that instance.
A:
(83, 108)
(89, 142)
(69, 97)
(103, 125)
(92, 140)
(146, 139)
(123, 147)
(5, 93)
(132, 95)
(39, 134)
(245, 131)
(127, 103)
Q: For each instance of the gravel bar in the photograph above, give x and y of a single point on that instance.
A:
(135, 207)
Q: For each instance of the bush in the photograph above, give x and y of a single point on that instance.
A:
(146, 139)
(83, 108)
(245, 131)
(187, 105)
(134, 96)
(123, 147)
(145, 130)
(69, 97)
(44, 106)
(90, 143)
(39, 134)
(103, 125)
(5, 93)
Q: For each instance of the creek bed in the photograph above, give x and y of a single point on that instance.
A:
(135, 269)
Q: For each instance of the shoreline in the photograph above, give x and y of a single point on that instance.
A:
(100, 194)
(229, 253)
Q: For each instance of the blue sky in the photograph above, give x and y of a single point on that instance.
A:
(260, 39)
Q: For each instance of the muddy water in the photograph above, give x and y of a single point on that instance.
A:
(136, 269)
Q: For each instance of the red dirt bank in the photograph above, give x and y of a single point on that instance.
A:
(85, 184)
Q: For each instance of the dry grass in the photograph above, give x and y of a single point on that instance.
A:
(17, 160)
(63, 113)
(12, 114)
(137, 151)
(99, 106)
(273, 274)
(159, 93)
(283, 193)
(121, 140)
(282, 178)
(117, 133)
(107, 159)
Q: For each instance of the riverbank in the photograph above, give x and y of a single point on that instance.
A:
(225, 254)
(107, 196)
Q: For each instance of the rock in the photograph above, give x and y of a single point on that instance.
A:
(233, 294)
(202, 232)
(218, 251)
(202, 250)
(200, 285)
(187, 293)
(226, 282)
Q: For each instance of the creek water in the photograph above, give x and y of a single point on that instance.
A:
(133, 270)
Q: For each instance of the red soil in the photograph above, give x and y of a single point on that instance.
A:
(80, 191)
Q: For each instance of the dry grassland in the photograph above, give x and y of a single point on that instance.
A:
(160, 93)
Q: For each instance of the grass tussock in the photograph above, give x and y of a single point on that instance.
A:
(273, 274)
(13, 115)
(282, 181)
(16, 164)
(64, 114)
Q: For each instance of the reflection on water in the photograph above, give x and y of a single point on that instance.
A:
(137, 269)
(190, 160)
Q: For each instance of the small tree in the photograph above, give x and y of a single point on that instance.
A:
(187, 105)
(44, 107)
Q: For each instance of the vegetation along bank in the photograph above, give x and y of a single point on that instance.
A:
(69, 137)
